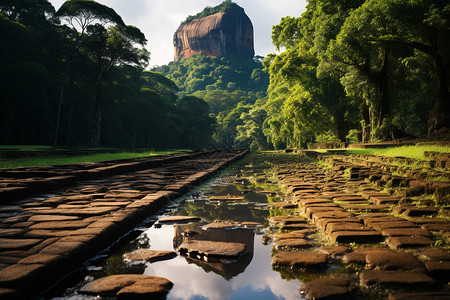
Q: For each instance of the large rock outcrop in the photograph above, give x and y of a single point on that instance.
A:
(228, 33)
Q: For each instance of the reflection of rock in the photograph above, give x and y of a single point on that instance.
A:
(149, 255)
(240, 238)
(129, 285)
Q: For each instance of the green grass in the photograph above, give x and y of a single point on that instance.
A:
(25, 147)
(48, 161)
(404, 151)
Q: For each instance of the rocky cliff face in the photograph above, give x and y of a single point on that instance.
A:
(228, 33)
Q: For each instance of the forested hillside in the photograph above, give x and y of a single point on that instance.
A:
(230, 85)
(76, 77)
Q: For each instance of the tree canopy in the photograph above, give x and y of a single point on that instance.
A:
(80, 63)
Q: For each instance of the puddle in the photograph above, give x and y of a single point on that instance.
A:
(248, 275)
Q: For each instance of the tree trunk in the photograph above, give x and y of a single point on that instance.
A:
(440, 114)
(69, 127)
(95, 139)
(58, 116)
(384, 95)
(341, 129)
(365, 122)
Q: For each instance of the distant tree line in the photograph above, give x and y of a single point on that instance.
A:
(75, 77)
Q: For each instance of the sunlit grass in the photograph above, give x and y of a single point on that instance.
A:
(48, 161)
(416, 151)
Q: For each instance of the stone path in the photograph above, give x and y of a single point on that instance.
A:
(394, 240)
(82, 209)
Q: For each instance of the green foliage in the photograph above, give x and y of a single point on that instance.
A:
(231, 86)
(416, 151)
(378, 67)
(226, 5)
(327, 137)
(71, 72)
(353, 136)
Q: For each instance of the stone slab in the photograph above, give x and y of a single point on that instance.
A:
(334, 250)
(212, 249)
(15, 244)
(360, 237)
(289, 235)
(412, 231)
(129, 285)
(434, 253)
(149, 255)
(402, 242)
(179, 219)
(326, 288)
(391, 224)
(301, 259)
(372, 277)
(387, 259)
(293, 243)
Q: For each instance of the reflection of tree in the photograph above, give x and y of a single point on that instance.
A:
(215, 211)
(115, 265)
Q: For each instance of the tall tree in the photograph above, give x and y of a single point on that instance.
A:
(79, 15)
(108, 48)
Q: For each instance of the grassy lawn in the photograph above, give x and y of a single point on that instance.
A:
(48, 161)
(404, 151)
(25, 147)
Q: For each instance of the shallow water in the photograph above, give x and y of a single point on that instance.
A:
(249, 277)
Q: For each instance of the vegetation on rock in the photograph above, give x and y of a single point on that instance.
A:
(226, 5)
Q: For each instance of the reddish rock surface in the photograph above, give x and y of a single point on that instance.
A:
(229, 33)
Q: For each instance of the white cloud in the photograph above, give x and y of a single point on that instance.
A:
(159, 19)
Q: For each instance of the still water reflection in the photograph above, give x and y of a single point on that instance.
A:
(256, 280)
(250, 277)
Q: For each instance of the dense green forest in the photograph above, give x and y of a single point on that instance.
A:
(76, 77)
(359, 70)
(230, 85)
(349, 70)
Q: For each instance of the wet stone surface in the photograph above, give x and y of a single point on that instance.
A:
(287, 229)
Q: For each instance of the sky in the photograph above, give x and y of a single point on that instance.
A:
(159, 19)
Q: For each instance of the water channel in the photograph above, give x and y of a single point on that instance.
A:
(249, 277)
